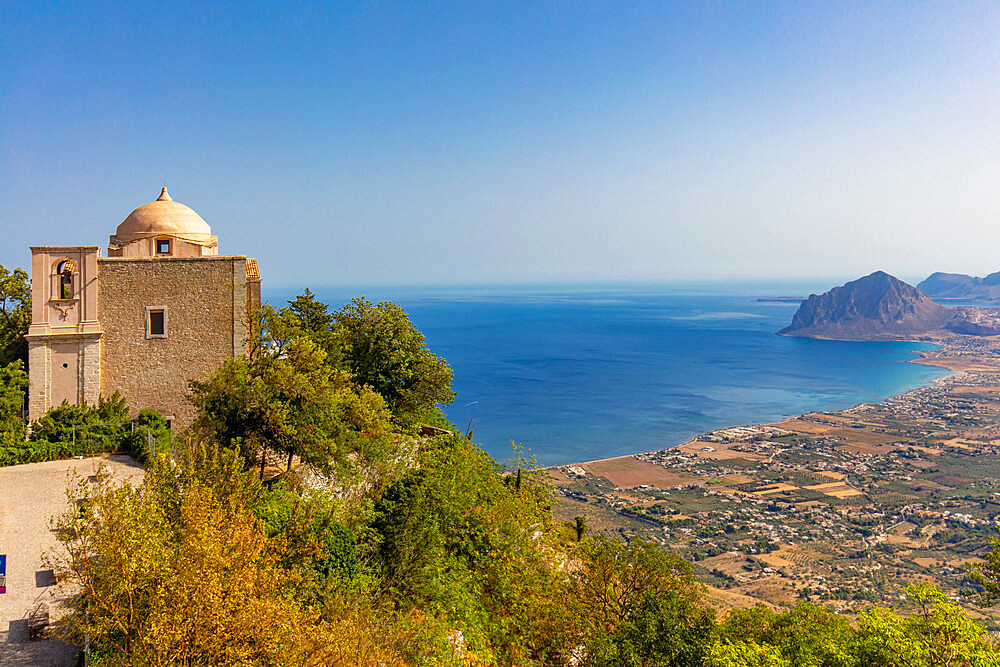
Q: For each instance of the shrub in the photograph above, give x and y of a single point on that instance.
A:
(150, 428)
(70, 430)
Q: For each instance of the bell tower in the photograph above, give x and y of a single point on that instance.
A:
(64, 339)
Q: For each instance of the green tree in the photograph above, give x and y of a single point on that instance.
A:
(13, 383)
(382, 349)
(987, 575)
(308, 316)
(287, 399)
(938, 634)
(580, 525)
(804, 636)
(640, 605)
(453, 539)
(15, 315)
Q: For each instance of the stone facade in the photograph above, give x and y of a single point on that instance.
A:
(164, 310)
(205, 304)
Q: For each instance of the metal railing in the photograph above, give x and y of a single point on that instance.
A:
(151, 440)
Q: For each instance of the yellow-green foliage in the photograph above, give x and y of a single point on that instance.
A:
(180, 570)
(175, 570)
(935, 632)
(453, 564)
(745, 654)
(939, 633)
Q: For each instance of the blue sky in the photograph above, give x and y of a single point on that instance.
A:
(410, 143)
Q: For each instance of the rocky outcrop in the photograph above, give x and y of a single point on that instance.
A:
(881, 307)
(875, 306)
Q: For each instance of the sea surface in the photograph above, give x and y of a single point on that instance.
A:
(576, 373)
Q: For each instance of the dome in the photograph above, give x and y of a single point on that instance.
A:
(163, 216)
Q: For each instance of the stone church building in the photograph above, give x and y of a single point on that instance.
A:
(161, 308)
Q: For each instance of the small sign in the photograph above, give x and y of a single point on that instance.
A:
(3, 573)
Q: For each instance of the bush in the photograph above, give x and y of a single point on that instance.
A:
(67, 423)
(37, 452)
(150, 428)
(70, 430)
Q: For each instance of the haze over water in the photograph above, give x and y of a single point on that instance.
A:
(581, 373)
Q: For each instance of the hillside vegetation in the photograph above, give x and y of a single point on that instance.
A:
(386, 546)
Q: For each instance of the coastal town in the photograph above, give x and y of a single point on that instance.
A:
(843, 508)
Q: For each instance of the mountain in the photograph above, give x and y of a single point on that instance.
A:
(960, 286)
(875, 306)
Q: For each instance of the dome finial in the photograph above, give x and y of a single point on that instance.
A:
(164, 195)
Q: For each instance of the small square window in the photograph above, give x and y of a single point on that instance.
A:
(163, 246)
(156, 322)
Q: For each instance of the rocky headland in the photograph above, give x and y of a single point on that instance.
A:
(882, 307)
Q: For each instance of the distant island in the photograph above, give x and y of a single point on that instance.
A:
(882, 307)
(779, 299)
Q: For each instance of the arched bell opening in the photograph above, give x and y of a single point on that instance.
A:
(65, 274)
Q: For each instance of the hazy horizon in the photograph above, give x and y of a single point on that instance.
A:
(514, 143)
(587, 285)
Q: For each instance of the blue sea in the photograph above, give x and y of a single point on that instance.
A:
(576, 373)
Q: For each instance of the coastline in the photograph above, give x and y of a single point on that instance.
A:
(839, 507)
(924, 358)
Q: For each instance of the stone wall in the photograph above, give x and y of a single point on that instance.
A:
(64, 367)
(40, 391)
(205, 300)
